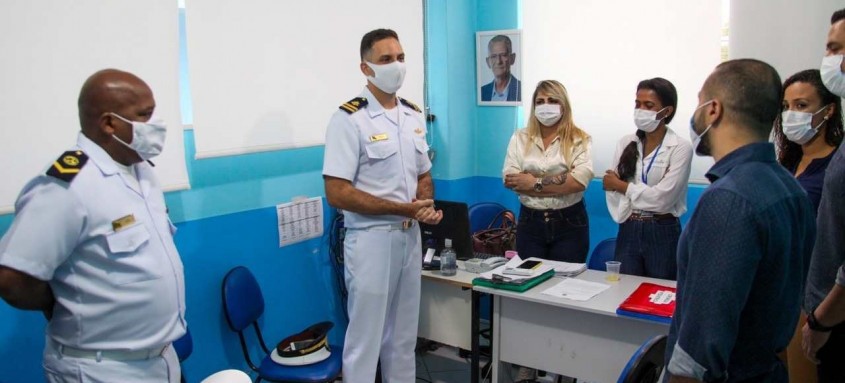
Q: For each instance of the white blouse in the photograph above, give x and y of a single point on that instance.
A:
(549, 161)
(667, 181)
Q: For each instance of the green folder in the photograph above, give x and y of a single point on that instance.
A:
(520, 287)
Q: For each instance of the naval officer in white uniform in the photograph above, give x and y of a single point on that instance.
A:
(376, 170)
(92, 247)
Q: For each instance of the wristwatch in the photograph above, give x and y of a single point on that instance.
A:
(538, 186)
(814, 324)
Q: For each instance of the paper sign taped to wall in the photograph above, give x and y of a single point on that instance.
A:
(300, 220)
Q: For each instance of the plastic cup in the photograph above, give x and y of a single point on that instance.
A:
(613, 270)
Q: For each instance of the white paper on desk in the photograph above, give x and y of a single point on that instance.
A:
(514, 262)
(567, 269)
(576, 289)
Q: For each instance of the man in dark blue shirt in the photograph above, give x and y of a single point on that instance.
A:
(742, 257)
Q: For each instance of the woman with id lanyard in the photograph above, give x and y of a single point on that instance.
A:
(647, 189)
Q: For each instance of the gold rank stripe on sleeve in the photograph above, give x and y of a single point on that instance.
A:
(354, 105)
(67, 166)
(410, 105)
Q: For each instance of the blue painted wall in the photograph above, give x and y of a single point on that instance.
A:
(228, 217)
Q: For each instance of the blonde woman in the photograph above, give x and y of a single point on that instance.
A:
(549, 165)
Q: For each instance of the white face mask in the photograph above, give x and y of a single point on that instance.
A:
(389, 77)
(832, 76)
(646, 120)
(147, 137)
(798, 126)
(695, 137)
(548, 114)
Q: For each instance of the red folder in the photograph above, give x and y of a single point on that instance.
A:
(650, 301)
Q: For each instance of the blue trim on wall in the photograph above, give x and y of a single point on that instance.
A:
(451, 62)
(496, 124)
(185, 102)
(227, 185)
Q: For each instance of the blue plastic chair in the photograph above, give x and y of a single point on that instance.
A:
(602, 253)
(480, 215)
(243, 304)
(184, 346)
(646, 365)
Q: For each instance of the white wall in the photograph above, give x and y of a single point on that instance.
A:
(268, 75)
(600, 50)
(49, 48)
(790, 35)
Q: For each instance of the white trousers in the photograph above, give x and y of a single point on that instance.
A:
(383, 279)
(60, 368)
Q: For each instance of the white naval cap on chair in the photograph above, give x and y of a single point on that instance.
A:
(228, 376)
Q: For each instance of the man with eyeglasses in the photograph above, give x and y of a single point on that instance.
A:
(500, 57)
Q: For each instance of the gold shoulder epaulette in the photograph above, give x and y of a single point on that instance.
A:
(354, 105)
(68, 165)
(410, 104)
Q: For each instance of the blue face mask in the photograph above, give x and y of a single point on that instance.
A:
(695, 137)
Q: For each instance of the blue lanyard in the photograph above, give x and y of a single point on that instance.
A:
(645, 171)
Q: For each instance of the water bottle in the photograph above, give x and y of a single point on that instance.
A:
(448, 260)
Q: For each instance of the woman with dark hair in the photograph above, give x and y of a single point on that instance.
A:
(647, 190)
(807, 134)
(808, 131)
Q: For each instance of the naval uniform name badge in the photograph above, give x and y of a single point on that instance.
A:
(378, 137)
(123, 222)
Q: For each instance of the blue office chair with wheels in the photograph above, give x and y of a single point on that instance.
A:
(480, 215)
(603, 252)
(646, 365)
(243, 304)
(184, 346)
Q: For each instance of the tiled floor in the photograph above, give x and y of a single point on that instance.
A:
(444, 365)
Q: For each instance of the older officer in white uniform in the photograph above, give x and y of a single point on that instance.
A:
(92, 247)
(377, 171)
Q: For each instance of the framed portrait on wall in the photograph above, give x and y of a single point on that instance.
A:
(498, 56)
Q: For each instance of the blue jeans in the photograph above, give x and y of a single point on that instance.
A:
(649, 247)
(558, 235)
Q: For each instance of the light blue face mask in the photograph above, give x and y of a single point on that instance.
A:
(832, 76)
(147, 137)
(695, 137)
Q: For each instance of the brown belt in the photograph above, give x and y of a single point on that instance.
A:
(650, 217)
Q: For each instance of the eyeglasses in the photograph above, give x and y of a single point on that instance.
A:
(500, 56)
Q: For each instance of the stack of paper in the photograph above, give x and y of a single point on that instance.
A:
(514, 262)
(576, 289)
(566, 269)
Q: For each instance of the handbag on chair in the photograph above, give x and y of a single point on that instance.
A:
(496, 240)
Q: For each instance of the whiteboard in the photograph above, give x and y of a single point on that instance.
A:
(601, 50)
(268, 74)
(50, 47)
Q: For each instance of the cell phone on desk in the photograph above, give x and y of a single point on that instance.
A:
(524, 268)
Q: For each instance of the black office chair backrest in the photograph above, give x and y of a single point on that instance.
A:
(647, 363)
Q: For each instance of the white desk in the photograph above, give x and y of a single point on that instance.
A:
(445, 307)
(449, 312)
(585, 340)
